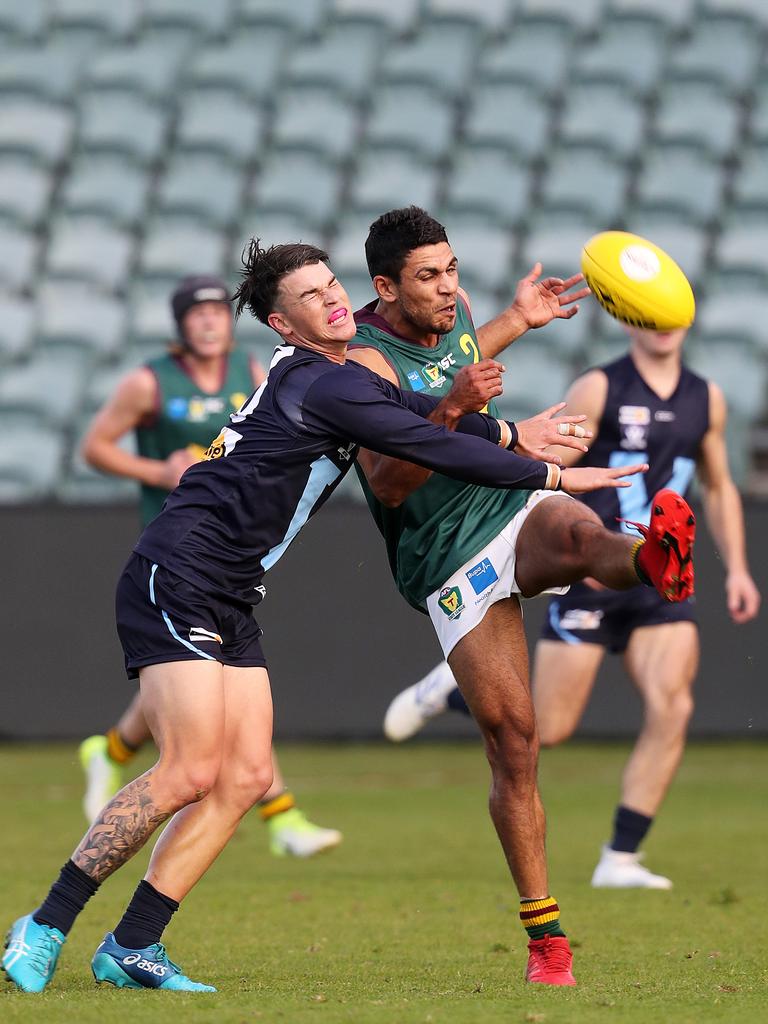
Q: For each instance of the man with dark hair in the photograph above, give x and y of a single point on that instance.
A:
(465, 553)
(173, 405)
(186, 596)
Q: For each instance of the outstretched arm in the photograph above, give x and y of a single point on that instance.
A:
(535, 304)
(725, 515)
(374, 413)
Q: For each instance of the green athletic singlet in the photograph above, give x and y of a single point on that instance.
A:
(443, 523)
(186, 416)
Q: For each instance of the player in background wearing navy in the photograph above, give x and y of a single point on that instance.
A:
(174, 405)
(646, 405)
(466, 554)
(186, 596)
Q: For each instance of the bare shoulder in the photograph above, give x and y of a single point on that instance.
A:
(590, 387)
(718, 407)
(137, 390)
(374, 360)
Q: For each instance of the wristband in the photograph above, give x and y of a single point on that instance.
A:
(508, 436)
(554, 479)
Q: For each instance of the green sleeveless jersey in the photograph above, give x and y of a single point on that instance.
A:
(185, 416)
(443, 523)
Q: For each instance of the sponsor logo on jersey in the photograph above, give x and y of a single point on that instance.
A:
(581, 618)
(482, 575)
(194, 410)
(664, 416)
(223, 444)
(634, 436)
(417, 384)
(199, 635)
(237, 399)
(451, 603)
(433, 375)
(433, 371)
(634, 414)
(346, 453)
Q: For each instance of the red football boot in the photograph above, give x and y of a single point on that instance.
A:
(665, 559)
(549, 961)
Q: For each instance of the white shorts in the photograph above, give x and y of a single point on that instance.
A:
(489, 576)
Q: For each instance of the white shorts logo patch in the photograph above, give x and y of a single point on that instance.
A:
(199, 635)
(581, 618)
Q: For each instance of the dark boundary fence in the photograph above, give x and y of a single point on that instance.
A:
(339, 638)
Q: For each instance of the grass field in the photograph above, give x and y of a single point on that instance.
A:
(413, 918)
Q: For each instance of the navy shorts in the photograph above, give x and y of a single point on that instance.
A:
(609, 617)
(162, 618)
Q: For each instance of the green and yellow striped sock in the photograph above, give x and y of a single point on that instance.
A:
(540, 917)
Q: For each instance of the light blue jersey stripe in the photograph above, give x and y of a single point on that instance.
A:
(322, 472)
(152, 584)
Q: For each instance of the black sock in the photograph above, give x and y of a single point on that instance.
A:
(629, 829)
(146, 918)
(67, 897)
(457, 703)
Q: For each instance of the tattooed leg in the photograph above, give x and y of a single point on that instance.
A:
(198, 833)
(184, 705)
(122, 828)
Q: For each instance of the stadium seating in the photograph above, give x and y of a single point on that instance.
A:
(150, 138)
(17, 327)
(107, 186)
(427, 131)
(36, 129)
(486, 181)
(315, 118)
(220, 122)
(296, 182)
(510, 115)
(25, 192)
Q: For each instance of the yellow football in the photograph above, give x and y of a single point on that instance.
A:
(637, 282)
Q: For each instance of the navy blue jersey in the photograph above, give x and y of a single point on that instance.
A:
(287, 448)
(639, 426)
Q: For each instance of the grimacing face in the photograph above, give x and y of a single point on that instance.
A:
(428, 288)
(208, 329)
(313, 306)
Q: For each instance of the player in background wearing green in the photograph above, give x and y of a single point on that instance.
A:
(175, 405)
(647, 405)
(465, 554)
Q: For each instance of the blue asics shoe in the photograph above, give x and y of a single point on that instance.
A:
(140, 968)
(31, 952)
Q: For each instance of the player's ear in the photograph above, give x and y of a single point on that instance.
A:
(385, 287)
(278, 323)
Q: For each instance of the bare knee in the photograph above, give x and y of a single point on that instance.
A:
(512, 745)
(185, 782)
(551, 734)
(246, 782)
(670, 708)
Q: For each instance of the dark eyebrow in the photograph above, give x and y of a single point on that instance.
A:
(314, 291)
(436, 270)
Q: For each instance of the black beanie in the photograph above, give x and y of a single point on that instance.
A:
(196, 289)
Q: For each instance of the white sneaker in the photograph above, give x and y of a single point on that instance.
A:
(619, 870)
(291, 833)
(102, 775)
(412, 708)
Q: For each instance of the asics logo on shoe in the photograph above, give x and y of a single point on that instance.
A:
(145, 965)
